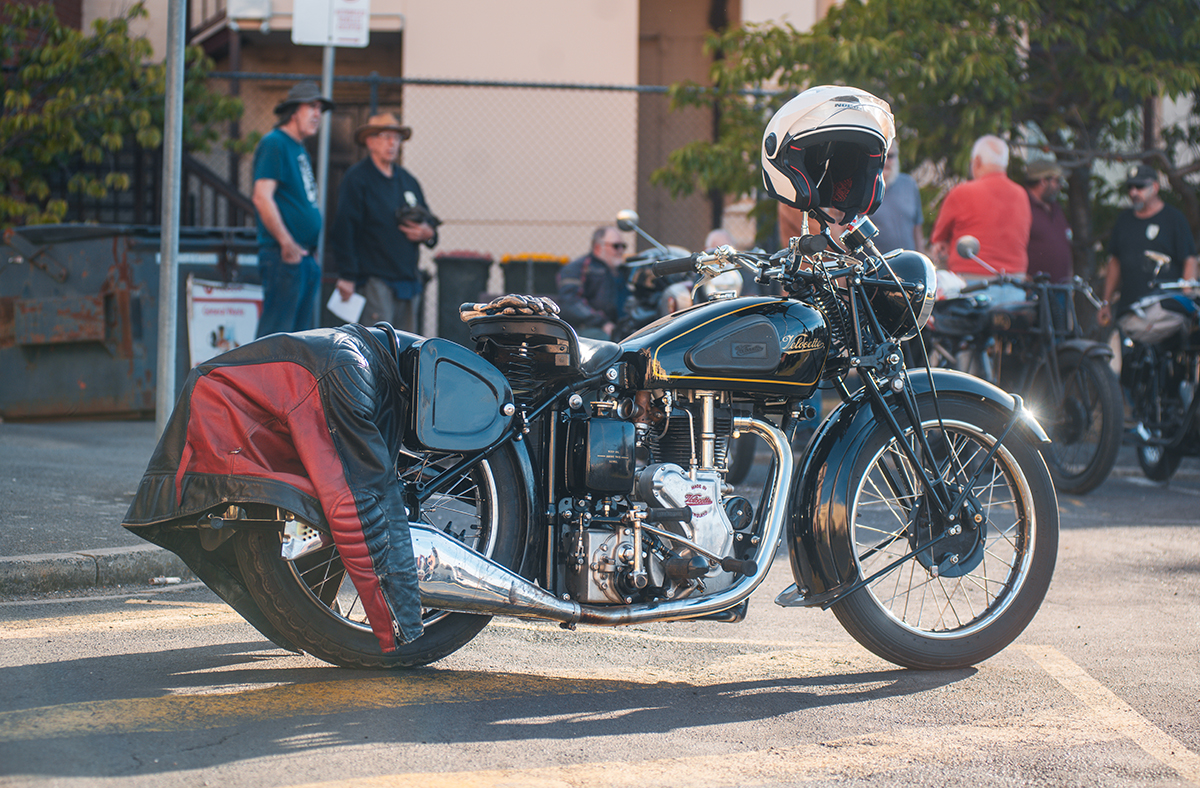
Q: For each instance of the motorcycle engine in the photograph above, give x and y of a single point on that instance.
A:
(615, 558)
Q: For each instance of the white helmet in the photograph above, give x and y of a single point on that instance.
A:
(826, 148)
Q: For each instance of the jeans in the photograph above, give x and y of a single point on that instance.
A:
(289, 292)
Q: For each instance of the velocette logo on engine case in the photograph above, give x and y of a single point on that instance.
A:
(697, 499)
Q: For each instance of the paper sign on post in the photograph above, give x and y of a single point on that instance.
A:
(338, 23)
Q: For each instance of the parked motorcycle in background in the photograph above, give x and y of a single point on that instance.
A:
(1037, 348)
(1161, 371)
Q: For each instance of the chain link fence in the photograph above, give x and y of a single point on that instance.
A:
(512, 169)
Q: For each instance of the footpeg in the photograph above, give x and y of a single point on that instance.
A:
(679, 568)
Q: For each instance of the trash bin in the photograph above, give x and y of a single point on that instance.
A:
(531, 274)
(462, 277)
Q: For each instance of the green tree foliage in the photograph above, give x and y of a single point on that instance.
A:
(71, 96)
(1080, 72)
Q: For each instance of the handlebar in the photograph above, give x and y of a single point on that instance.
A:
(1180, 284)
(677, 266)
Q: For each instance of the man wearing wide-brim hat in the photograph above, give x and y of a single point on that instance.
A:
(1149, 224)
(289, 215)
(381, 218)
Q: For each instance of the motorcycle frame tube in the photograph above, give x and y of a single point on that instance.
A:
(820, 549)
(454, 578)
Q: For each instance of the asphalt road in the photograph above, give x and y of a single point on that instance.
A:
(173, 689)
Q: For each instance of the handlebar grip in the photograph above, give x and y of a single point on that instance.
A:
(677, 266)
(813, 244)
(681, 515)
(975, 286)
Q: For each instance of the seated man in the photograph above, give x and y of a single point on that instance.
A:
(993, 209)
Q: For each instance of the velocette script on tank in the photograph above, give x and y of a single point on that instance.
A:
(801, 343)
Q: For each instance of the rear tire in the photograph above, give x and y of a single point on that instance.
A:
(973, 606)
(1085, 427)
(314, 604)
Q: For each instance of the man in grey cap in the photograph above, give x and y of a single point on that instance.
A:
(289, 216)
(1148, 224)
(1049, 232)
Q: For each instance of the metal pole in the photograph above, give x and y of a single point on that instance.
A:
(168, 270)
(323, 166)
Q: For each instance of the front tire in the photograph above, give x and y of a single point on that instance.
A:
(1159, 463)
(1085, 428)
(313, 603)
(962, 601)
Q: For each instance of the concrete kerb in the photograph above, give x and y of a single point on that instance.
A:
(107, 566)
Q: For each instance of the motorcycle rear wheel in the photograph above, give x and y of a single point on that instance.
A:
(1085, 428)
(313, 603)
(975, 606)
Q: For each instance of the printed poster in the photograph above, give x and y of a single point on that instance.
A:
(220, 316)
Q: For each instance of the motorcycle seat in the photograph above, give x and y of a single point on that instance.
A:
(596, 354)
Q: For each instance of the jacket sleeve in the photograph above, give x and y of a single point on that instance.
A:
(352, 465)
(345, 229)
(572, 298)
(432, 242)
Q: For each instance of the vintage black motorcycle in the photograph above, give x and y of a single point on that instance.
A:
(922, 512)
(1037, 348)
(1161, 370)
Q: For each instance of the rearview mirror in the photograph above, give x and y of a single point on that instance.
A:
(627, 220)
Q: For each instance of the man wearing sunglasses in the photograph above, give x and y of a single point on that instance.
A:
(588, 287)
(1148, 224)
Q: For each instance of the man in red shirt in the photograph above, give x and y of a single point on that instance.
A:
(990, 207)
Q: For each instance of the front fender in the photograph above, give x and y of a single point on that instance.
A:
(821, 555)
(1074, 349)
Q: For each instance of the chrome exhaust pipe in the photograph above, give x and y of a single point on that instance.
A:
(454, 578)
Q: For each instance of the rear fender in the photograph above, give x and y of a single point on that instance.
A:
(820, 551)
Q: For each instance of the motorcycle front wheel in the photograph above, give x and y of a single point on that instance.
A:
(1085, 427)
(1158, 463)
(312, 601)
(963, 599)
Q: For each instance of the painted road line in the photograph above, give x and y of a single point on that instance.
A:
(1116, 713)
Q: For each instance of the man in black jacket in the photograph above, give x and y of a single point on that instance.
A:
(373, 245)
(589, 288)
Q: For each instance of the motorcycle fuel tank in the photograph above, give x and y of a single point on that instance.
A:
(758, 345)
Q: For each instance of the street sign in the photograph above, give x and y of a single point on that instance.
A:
(338, 23)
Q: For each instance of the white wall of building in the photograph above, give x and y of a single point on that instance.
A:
(571, 156)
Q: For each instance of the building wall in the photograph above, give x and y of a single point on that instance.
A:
(516, 171)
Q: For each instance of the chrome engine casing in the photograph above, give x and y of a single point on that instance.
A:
(607, 555)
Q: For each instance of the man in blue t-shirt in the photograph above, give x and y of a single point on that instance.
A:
(289, 216)
(898, 217)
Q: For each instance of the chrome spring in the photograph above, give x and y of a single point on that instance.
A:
(517, 366)
(837, 319)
